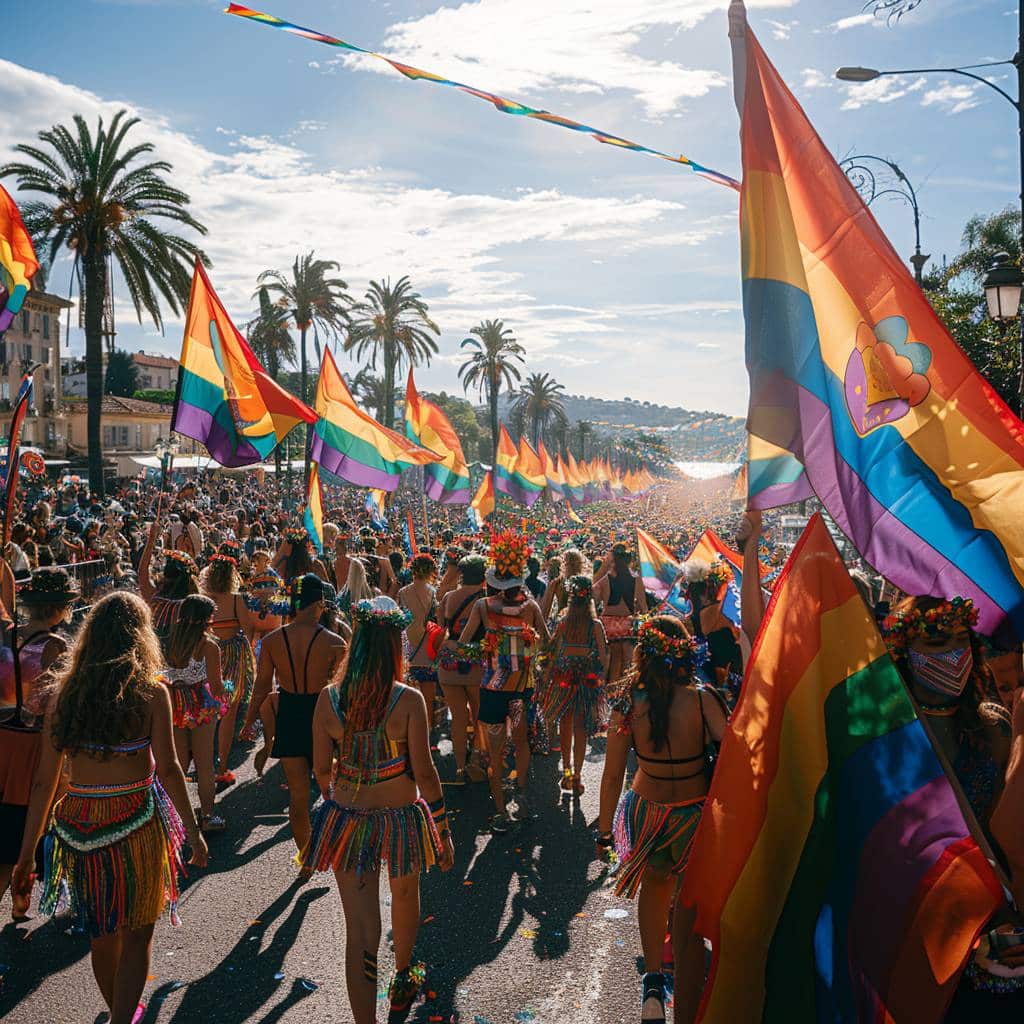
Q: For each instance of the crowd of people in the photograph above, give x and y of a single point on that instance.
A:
(151, 636)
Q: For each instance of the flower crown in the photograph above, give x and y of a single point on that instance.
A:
(267, 578)
(368, 612)
(948, 618)
(509, 552)
(713, 574)
(184, 561)
(580, 586)
(229, 559)
(296, 535)
(676, 651)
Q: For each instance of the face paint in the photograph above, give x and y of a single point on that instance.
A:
(945, 674)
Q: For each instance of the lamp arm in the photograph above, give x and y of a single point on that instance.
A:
(957, 71)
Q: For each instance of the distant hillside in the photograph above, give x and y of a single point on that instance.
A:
(694, 436)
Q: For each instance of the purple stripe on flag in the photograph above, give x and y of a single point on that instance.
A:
(436, 491)
(348, 469)
(898, 853)
(776, 495)
(200, 425)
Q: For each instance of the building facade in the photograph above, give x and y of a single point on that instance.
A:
(129, 428)
(156, 373)
(34, 338)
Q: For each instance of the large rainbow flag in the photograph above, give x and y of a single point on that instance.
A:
(483, 501)
(426, 424)
(507, 479)
(226, 400)
(658, 568)
(858, 393)
(530, 468)
(18, 262)
(351, 444)
(833, 870)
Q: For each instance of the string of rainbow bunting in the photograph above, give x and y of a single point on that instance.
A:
(504, 106)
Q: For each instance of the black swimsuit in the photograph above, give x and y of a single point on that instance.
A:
(294, 735)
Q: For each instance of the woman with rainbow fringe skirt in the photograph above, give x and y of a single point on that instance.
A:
(114, 849)
(674, 726)
(383, 807)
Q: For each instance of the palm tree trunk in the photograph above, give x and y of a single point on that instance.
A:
(492, 398)
(95, 277)
(305, 388)
(389, 385)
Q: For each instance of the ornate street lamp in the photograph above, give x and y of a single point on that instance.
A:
(860, 171)
(1003, 285)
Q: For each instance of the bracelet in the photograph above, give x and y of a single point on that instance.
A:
(605, 840)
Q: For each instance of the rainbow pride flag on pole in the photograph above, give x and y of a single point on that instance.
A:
(858, 393)
(313, 517)
(507, 479)
(483, 501)
(447, 481)
(554, 479)
(18, 262)
(351, 444)
(573, 481)
(530, 468)
(658, 568)
(833, 870)
(710, 547)
(226, 400)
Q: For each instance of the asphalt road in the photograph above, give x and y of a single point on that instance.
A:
(524, 928)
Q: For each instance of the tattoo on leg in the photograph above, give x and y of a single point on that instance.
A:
(370, 966)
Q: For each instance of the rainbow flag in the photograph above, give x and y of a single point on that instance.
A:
(710, 547)
(507, 479)
(833, 870)
(573, 482)
(555, 479)
(375, 507)
(858, 393)
(658, 568)
(426, 424)
(530, 468)
(313, 516)
(483, 501)
(226, 400)
(351, 444)
(500, 103)
(18, 262)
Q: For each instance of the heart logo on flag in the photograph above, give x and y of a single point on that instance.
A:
(886, 375)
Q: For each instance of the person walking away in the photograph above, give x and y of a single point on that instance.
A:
(382, 808)
(419, 600)
(304, 657)
(621, 592)
(118, 831)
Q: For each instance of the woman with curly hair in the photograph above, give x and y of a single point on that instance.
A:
(670, 721)
(231, 625)
(192, 674)
(117, 833)
(295, 557)
(574, 697)
(178, 580)
(556, 595)
(383, 804)
(419, 599)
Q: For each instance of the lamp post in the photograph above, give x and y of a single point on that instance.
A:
(859, 74)
(865, 181)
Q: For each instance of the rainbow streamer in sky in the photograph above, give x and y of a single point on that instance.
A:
(503, 105)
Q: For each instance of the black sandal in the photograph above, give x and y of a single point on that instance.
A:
(653, 988)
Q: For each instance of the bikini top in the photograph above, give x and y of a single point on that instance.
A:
(230, 623)
(673, 760)
(372, 756)
(117, 749)
(192, 674)
(305, 664)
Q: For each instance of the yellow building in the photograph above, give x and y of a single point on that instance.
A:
(130, 428)
(34, 337)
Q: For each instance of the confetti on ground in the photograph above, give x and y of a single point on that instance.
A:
(616, 914)
(279, 976)
(524, 1015)
(427, 920)
(467, 882)
(480, 1020)
(462, 992)
(527, 933)
(583, 913)
(175, 985)
(309, 986)
(254, 922)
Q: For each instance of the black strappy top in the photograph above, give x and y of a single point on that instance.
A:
(305, 664)
(679, 760)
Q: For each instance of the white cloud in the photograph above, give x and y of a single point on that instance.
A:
(953, 98)
(528, 47)
(781, 30)
(264, 199)
(854, 21)
(881, 90)
(815, 79)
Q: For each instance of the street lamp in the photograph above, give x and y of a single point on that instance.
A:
(861, 75)
(858, 169)
(1003, 285)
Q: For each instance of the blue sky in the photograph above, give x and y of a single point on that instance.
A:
(618, 272)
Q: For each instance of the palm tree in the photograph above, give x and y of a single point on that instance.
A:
(392, 324)
(583, 431)
(983, 239)
(314, 299)
(273, 345)
(495, 352)
(368, 388)
(101, 203)
(539, 404)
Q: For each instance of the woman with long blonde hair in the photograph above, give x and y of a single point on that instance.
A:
(117, 832)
